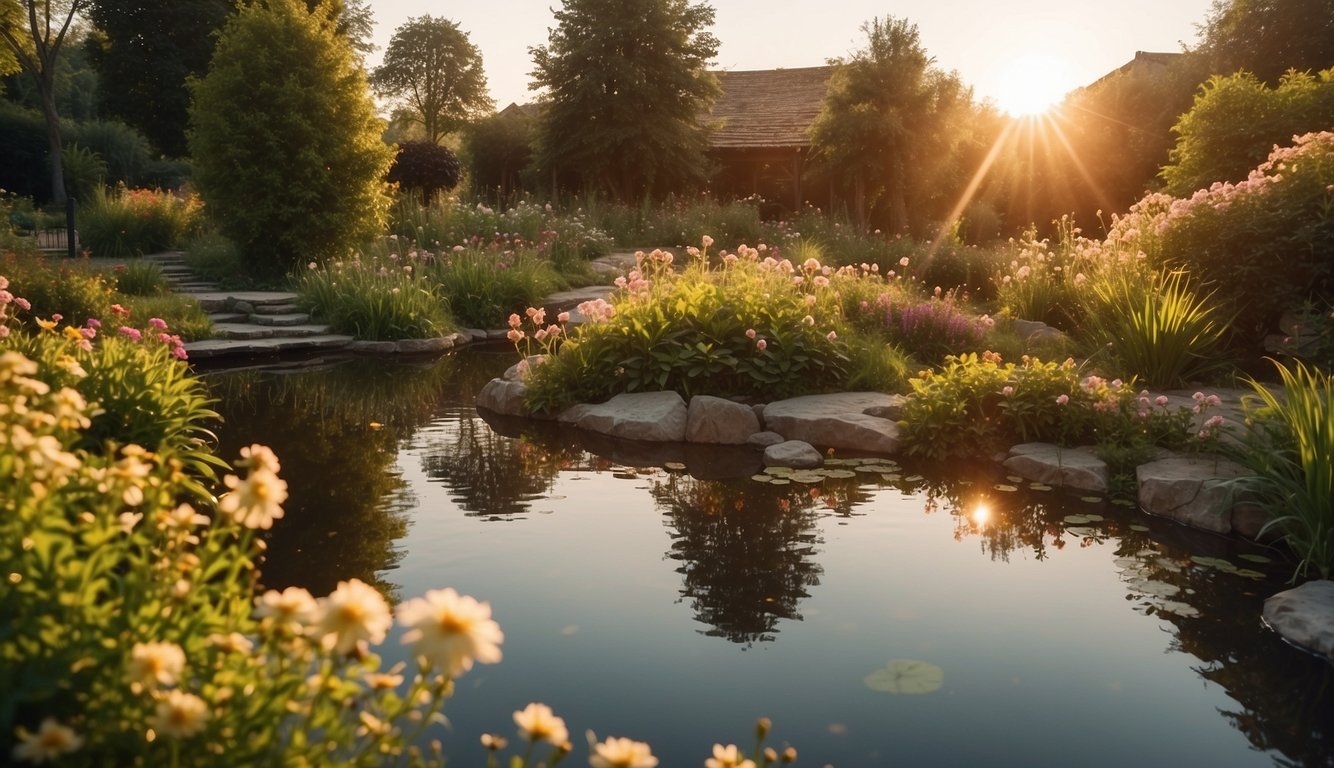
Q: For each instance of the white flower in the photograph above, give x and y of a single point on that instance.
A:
(538, 723)
(451, 630)
(728, 757)
(256, 501)
(622, 753)
(180, 715)
(153, 664)
(354, 612)
(49, 742)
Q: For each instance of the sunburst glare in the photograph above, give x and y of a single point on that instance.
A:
(1033, 82)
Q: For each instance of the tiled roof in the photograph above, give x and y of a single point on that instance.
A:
(768, 108)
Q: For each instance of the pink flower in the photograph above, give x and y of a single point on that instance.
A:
(57, 317)
(131, 333)
(750, 333)
(831, 336)
(1007, 391)
(515, 321)
(903, 262)
(119, 311)
(563, 317)
(180, 353)
(514, 335)
(1063, 399)
(707, 241)
(1161, 401)
(93, 323)
(761, 345)
(22, 303)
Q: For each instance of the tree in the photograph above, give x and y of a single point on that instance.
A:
(626, 83)
(432, 66)
(886, 110)
(35, 42)
(498, 149)
(146, 52)
(426, 167)
(1237, 120)
(1269, 37)
(285, 139)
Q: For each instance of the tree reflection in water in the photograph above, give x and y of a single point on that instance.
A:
(336, 431)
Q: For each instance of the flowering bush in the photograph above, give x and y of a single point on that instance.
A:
(929, 329)
(1267, 242)
(564, 239)
(132, 222)
(751, 327)
(375, 299)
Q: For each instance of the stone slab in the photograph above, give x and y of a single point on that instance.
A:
(1190, 489)
(796, 454)
(652, 416)
(1075, 468)
(836, 420)
(286, 318)
(1304, 616)
(214, 348)
(715, 420)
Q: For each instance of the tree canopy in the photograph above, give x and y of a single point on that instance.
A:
(436, 72)
(1268, 37)
(1237, 120)
(626, 83)
(891, 122)
(285, 138)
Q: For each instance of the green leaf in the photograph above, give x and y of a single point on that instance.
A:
(906, 676)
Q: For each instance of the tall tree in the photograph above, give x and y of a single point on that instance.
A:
(285, 138)
(35, 35)
(885, 107)
(146, 52)
(433, 68)
(626, 82)
(1269, 37)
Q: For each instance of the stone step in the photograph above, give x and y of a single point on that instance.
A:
(228, 317)
(277, 309)
(195, 287)
(215, 301)
(214, 348)
(241, 331)
(299, 331)
(284, 319)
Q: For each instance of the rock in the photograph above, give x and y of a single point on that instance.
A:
(836, 421)
(476, 334)
(1305, 616)
(459, 338)
(504, 397)
(517, 372)
(893, 412)
(1074, 468)
(422, 346)
(373, 347)
(1189, 489)
(498, 334)
(792, 453)
(764, 439)
(244, 307)
(654, 416)
(715, 420)
(1248, 519)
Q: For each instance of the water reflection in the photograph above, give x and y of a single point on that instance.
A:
(336, 431)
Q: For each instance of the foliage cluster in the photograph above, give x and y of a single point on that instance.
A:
(498, 150)
(747, 328)
(1266, 243)
(432, 67)
(287, 145)
(424, 167)
(125, 223)
(374, 299)
(58, 287)
(1288, 451)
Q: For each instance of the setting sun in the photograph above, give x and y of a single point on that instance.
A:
(1032, 83)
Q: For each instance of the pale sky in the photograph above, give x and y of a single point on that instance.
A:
(1060, 44)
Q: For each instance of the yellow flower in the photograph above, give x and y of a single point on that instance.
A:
(728, 757)
(353, 613)
(50, 742)
(180, 715)
(622, 753)
(153, 664)
(451, 630)
(538, 723)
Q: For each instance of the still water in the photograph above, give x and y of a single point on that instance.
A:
(639, 599)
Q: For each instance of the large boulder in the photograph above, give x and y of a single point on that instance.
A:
(715, 420)
(836, 421)
(1305, 616)
(654, 416)
(1075, 468)
(792, 453)
(503, 397)
(1190, 489)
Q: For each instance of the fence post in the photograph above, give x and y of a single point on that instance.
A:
(69, 226)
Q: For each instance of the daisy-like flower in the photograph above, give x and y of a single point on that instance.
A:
(49, 742)
(622, 753)
(256, 501)
(538, 723)
(451, 630)
(293, 607)
(728, 757)
(353, 613)
(180, 715)
(258, 456)
(154, 664)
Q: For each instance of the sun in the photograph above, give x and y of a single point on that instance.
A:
(1032, 82)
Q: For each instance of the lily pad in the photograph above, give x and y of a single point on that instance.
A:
(1248, 573)
(1014, 478)
(1139, 528)
(1083, 533)
(873, 468)
(780, 471)
(761, 478)
(1091, 499)
(1255, 558)
(1005, 488)
(841, 462)
(840, 473)
(1078, 519)
(780, 481)
(1214, 562)
(907, 676)
(892, 477)
(1124, 503)
(1039, 486)
(914, 479)
(1178, 608)
(1155, 588)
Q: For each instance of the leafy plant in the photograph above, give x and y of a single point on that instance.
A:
(425, 167)
(1289, 452)
(374, 300)
(57, 288)
(140, 277)
(1159, 330)
(127, 223)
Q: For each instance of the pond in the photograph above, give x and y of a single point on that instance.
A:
(884, 616)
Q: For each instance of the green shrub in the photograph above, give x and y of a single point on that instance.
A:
(286, 143)
(125, 151)
(84, 169)
(214, 257)
(374, 300)
(483, 288)
(1266, 243)
(126, 223)
(57, 287)
(1157, 329)
(1290, 454)
(743, 329)
(424, 167)
(182, 313)
(139, 277)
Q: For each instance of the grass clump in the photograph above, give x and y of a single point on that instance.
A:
(126, 223)
(374, 300)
